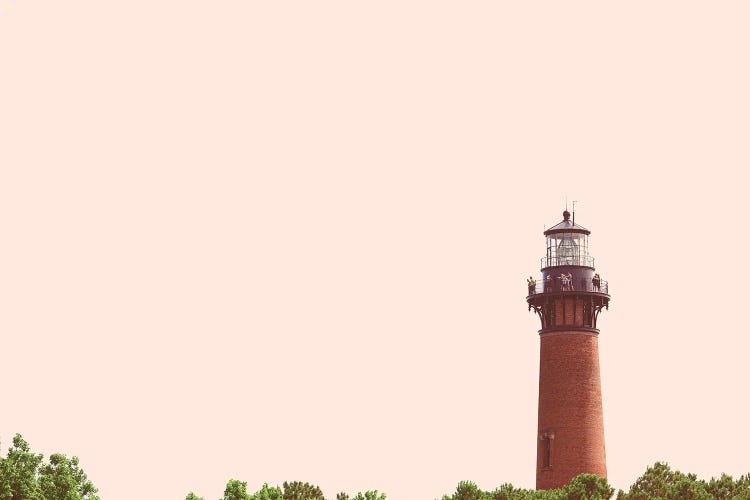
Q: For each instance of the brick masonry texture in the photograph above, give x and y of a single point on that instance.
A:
(570, 406)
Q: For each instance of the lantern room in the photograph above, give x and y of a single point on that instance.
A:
(567, 245)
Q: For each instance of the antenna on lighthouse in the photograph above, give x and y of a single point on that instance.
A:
(574, 211)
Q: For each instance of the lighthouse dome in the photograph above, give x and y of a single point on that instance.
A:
(566, 226)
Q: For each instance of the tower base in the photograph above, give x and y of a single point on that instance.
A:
(570, 439)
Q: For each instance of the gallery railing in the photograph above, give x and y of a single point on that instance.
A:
(577, 285)
(570, 260)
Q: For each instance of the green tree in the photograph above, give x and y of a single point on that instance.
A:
(18, 472)
(689, 488)
(725, 488)
(663, 483)
(506, 491)
(587, 487)
(25, 476)
(193, 496)
(63, 479)
(582, 487)
(236, 490)
(268, 493)
(656, 482)
(367, 495)
(467, 490)
(297, 490)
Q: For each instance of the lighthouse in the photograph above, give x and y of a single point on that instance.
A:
(568, 300)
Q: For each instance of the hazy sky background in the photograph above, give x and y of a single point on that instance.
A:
(288, 240)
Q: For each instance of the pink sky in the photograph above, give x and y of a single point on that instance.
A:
(288, 240)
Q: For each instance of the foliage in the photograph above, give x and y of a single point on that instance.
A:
(236, 490)
(725, 488)
(63, 478)
(588, 487)
(659, 482)
(367, 495)
(268, 493)
(297, 490)
(19, 472)
(467, 490)
(25, 475)
(583, 487)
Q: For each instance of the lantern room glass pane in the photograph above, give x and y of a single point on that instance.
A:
(567, 249)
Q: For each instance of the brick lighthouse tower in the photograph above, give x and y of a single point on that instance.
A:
(568, 300)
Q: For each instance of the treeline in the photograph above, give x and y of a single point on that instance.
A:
(659, 482)
(25, 475)
(237, 490)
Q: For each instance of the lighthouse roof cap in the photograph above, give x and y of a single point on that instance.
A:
(566, 226)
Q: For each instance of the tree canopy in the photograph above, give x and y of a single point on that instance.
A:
(663, 483)
(659, 482)
(294, 490)
(24, 475)
(583, 487)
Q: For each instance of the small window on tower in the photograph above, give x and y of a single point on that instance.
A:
(546, 437)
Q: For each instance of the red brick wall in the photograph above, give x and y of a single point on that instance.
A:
(570, 405)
